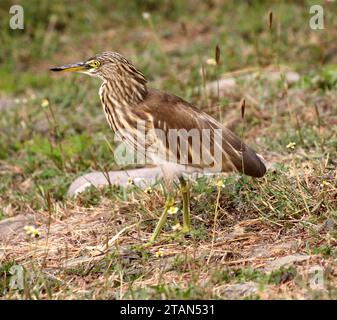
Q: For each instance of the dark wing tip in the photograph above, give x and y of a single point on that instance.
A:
(260, 170)
(245, 159)
(262, 167)
(253, 164)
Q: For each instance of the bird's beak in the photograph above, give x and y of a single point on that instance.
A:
(79, 66)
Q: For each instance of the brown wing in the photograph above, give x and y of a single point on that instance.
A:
(217, 146)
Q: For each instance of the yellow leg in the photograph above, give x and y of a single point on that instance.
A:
(169, 203)
(184, 188)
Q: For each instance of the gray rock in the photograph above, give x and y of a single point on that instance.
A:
(285, 261)
(224, 86)
(141, 177)
(330, 224)
(14, 225)
(6, 103)
(261, 251)
(228, 84)
(239, 290)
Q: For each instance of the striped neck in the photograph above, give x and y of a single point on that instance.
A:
(125, 89)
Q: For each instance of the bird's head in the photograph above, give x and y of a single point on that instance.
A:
(107, 66)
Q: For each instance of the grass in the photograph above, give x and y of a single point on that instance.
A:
(44, 148)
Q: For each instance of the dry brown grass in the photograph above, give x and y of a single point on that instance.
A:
(92, 251)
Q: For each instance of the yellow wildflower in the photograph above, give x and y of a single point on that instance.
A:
(159, 253)
(291, 145)
(220, 184)
(172, 210)
(176, 227)
(211, 62)
(148, 190)
(130, 181)
(35, 233)
(324, 184)
(32, 231)
(45, 103)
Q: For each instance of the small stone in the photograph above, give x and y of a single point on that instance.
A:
(14, 225)
(239, 290)
(285, 261)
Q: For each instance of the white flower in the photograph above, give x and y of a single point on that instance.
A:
(211, 62)
(146, 15)
(28, 229)
(172, 210)
(176, 227)
(44, 103)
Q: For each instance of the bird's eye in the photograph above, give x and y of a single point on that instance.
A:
(94, 63)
